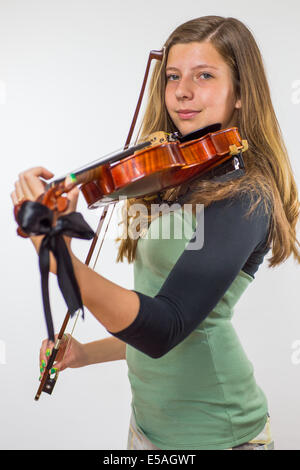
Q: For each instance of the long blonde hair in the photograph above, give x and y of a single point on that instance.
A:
(268, 171)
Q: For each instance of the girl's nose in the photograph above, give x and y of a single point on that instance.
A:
(184, 89)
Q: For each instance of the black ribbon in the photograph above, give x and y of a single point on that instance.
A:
(36, 219)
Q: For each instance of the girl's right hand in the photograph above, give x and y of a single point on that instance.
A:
(71, 353)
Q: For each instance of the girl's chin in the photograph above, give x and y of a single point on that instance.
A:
(191, 127)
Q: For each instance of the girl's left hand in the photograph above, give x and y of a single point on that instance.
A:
(30, 186)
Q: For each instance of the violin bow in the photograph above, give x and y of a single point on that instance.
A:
(48, 381)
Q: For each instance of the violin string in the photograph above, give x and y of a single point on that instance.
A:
(93, 163)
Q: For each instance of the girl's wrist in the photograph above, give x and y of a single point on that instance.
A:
(85, 358)
(89, 355)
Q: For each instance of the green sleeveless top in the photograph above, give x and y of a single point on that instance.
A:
(202, 394)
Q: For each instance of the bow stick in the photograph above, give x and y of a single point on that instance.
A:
(48, 381)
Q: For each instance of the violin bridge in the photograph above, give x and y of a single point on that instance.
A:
(159, 137)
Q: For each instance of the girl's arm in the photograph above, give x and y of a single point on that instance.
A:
(74, 354)
(194, 286)
(105, 350)
(113, 306)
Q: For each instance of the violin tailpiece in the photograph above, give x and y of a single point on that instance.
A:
(231, 169)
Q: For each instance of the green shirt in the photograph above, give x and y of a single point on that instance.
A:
(202, 394)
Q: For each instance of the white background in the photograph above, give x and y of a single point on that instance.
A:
(70, 73)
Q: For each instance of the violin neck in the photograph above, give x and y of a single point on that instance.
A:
(92, 171)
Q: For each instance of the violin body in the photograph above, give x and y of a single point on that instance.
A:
(141, 174)
(160, 167)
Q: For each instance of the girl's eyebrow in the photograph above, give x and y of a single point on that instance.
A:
(201, 66)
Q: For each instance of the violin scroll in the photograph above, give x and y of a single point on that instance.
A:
(52, 199)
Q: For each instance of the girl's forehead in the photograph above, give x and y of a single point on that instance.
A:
(194, 54)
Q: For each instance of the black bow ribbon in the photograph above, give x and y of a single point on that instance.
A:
(36, 219)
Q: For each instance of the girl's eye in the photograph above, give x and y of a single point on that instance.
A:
(172, 77)
(207, 75)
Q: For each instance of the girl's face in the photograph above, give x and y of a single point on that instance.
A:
(199, 89)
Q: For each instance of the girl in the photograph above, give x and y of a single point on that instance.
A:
(192, 384)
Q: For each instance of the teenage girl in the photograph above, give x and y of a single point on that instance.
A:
(193, 386)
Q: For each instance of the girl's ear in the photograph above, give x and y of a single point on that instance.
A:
(238, 104)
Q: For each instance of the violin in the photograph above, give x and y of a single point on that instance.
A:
(163, 161)
(166, 163)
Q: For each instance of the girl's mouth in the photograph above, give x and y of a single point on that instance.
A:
(187, 113)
